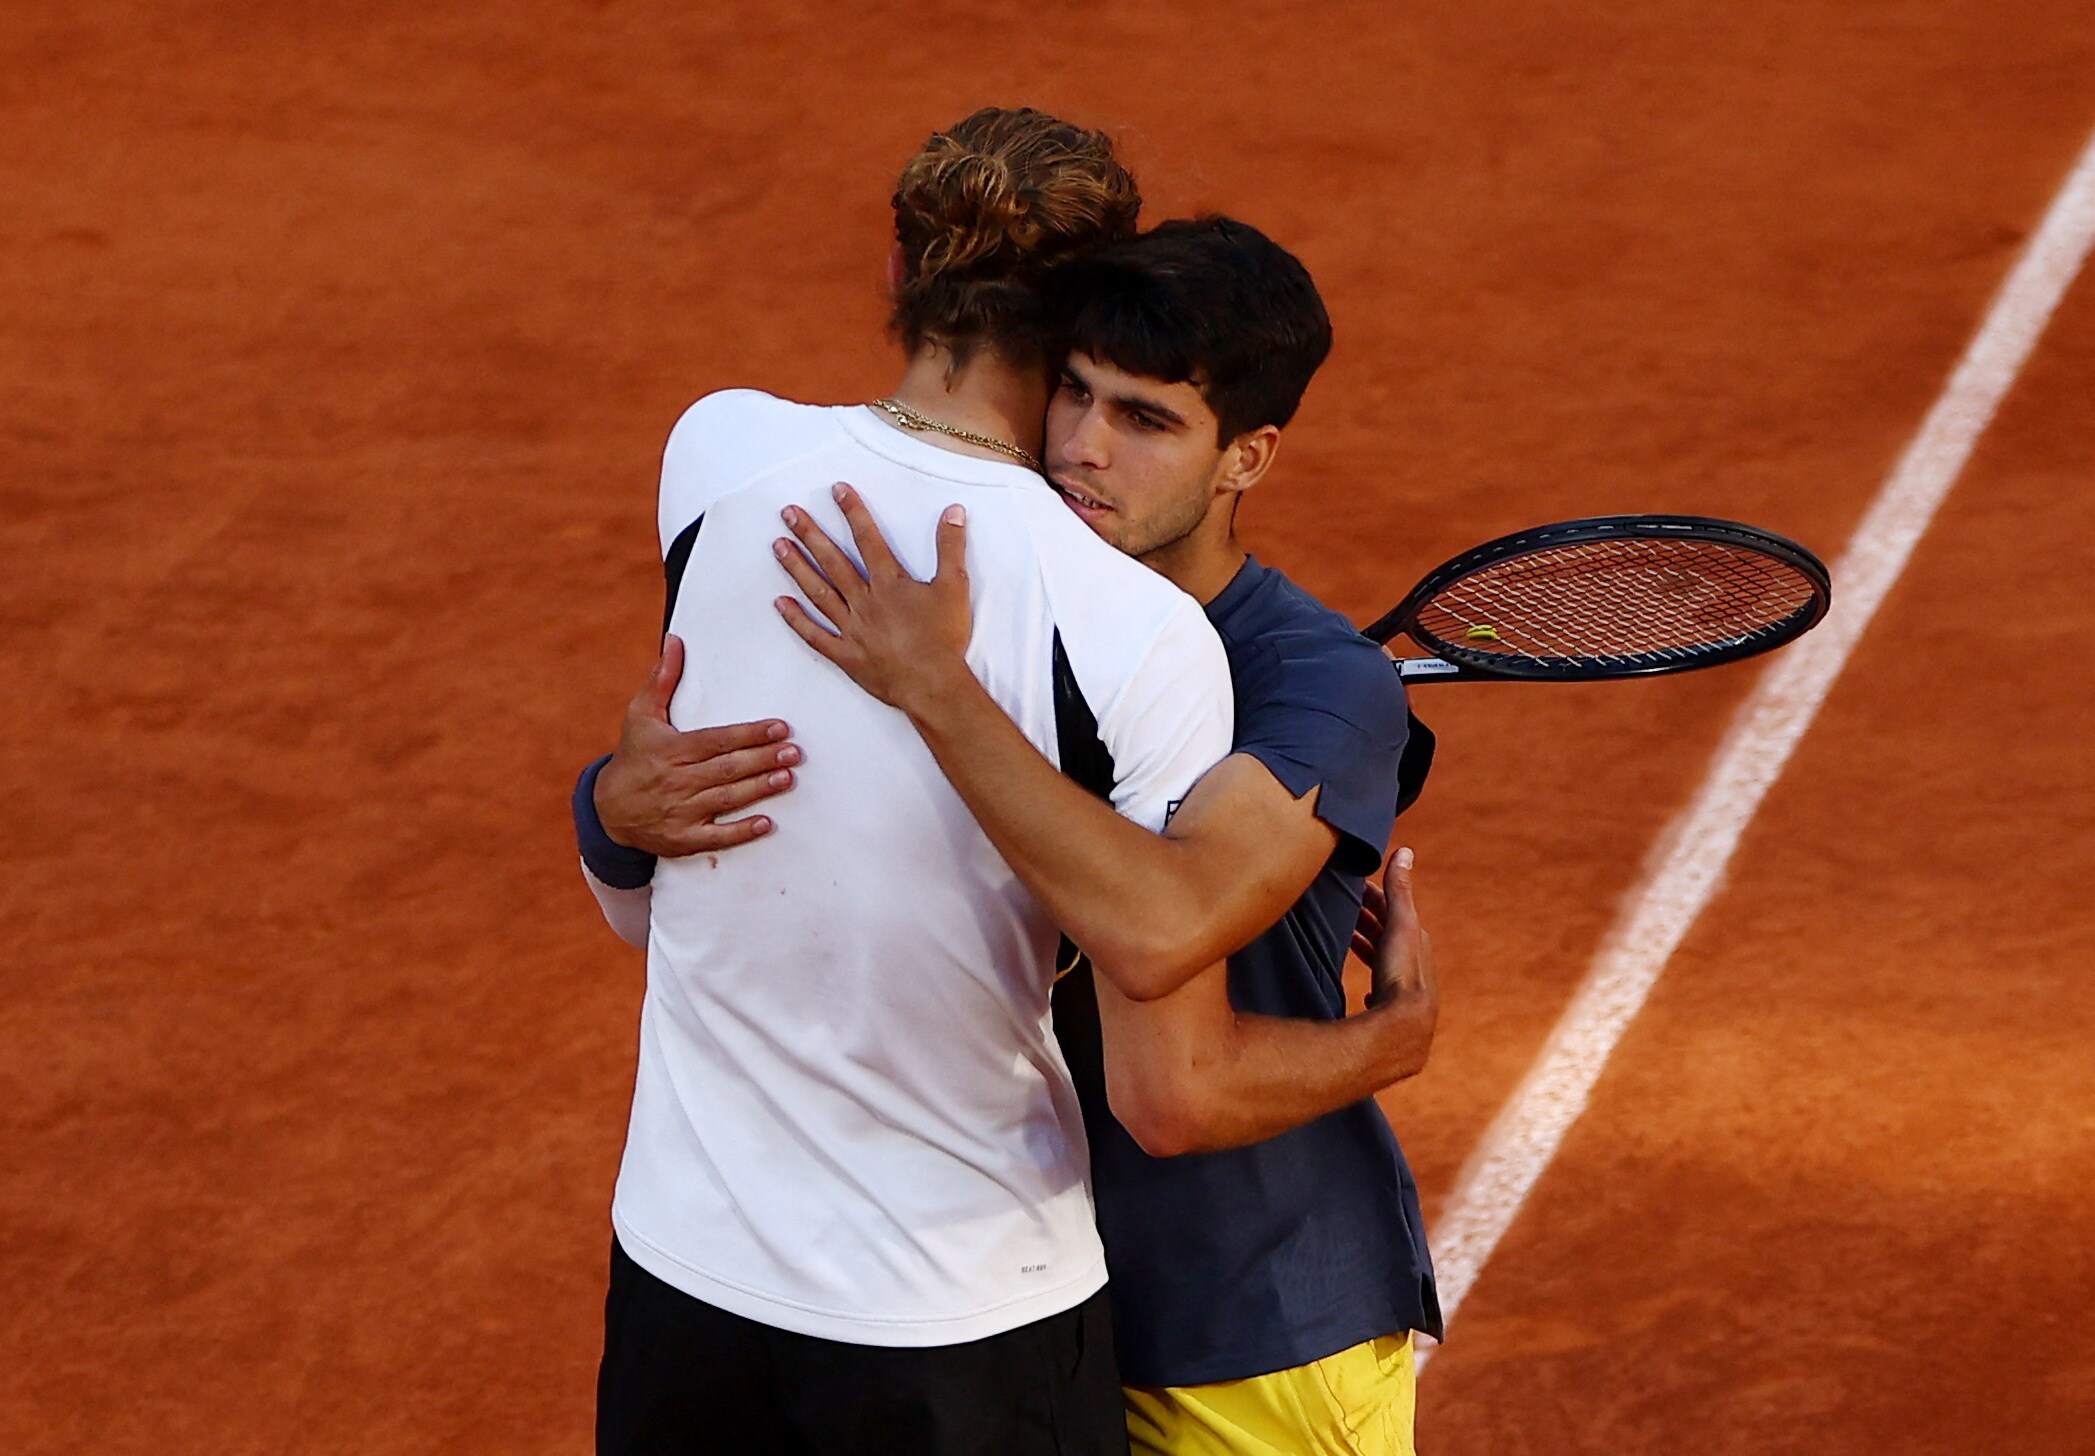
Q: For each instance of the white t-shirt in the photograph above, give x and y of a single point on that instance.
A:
(851, 1118)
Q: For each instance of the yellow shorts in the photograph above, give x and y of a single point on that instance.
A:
(1358, 1402)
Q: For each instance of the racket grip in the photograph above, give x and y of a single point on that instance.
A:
(1424, 669)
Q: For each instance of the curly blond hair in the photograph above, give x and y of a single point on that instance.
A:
(984, 212)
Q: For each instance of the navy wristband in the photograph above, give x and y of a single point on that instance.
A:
(620, 866)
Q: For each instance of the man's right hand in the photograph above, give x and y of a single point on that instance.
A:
(665, 791)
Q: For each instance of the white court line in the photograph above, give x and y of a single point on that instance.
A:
(1690, 857)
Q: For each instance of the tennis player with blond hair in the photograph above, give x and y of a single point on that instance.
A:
(853, 1213)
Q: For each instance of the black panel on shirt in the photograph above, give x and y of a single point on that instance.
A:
(673, 564)
(1086, 759)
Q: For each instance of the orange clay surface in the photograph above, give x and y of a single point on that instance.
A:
(337, 346)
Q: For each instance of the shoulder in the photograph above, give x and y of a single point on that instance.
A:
(1321, 706)
(1184, 635)
(727, 410)
(728, 437)
(1118, 619)
(1304, 656)
(1093, 584)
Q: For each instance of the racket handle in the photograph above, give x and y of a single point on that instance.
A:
(1424, 669)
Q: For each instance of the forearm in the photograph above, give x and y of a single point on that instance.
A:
(1245, 1078)
(1282, 1072)
(618, 876)
(628, 910)
(1132, 899)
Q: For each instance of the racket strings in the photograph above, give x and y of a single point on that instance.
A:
(1625, 598)
(1613, 613)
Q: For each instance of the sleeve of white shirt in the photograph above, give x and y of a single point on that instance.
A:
(691, 464)
(1172, 722)
(720, 443)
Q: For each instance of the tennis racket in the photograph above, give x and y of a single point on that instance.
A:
(1609, 597)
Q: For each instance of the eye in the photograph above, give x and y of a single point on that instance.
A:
(1073, 389)
(1148, 424)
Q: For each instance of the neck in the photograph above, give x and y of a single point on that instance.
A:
(985, 395)
(1204, 560)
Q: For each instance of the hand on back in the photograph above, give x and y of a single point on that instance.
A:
(893, 635)
(667, 791)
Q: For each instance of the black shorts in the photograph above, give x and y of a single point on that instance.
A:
(681, 1378)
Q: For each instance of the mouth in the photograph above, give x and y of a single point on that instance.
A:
(1090, 507)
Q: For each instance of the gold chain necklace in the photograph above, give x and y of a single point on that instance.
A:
(909, 419)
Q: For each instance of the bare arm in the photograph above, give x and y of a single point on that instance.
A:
(628, 909)
(1187, 1073)
(1152, 911)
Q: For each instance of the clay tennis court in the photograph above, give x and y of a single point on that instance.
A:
(337, 347)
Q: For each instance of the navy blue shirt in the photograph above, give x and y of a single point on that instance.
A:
(1232, 1264)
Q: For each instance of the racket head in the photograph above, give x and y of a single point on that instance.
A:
(1613, 597)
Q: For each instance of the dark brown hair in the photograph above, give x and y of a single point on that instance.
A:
(1210, 301)
(984, 212)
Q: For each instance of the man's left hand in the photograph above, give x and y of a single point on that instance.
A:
(894, 636)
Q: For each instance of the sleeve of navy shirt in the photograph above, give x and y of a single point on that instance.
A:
(618, 865)
(1324, 710)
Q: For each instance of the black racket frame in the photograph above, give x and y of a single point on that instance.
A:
(1461, 664)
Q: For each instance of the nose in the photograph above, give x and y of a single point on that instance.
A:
(1086, 443)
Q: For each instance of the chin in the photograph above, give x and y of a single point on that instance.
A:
(1101, 526)
(1106, 531)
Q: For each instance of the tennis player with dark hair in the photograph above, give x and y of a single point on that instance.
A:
(1268, 1257)
(853, 1212)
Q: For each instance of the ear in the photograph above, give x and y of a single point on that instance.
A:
(1247, 458)
(894, 269)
